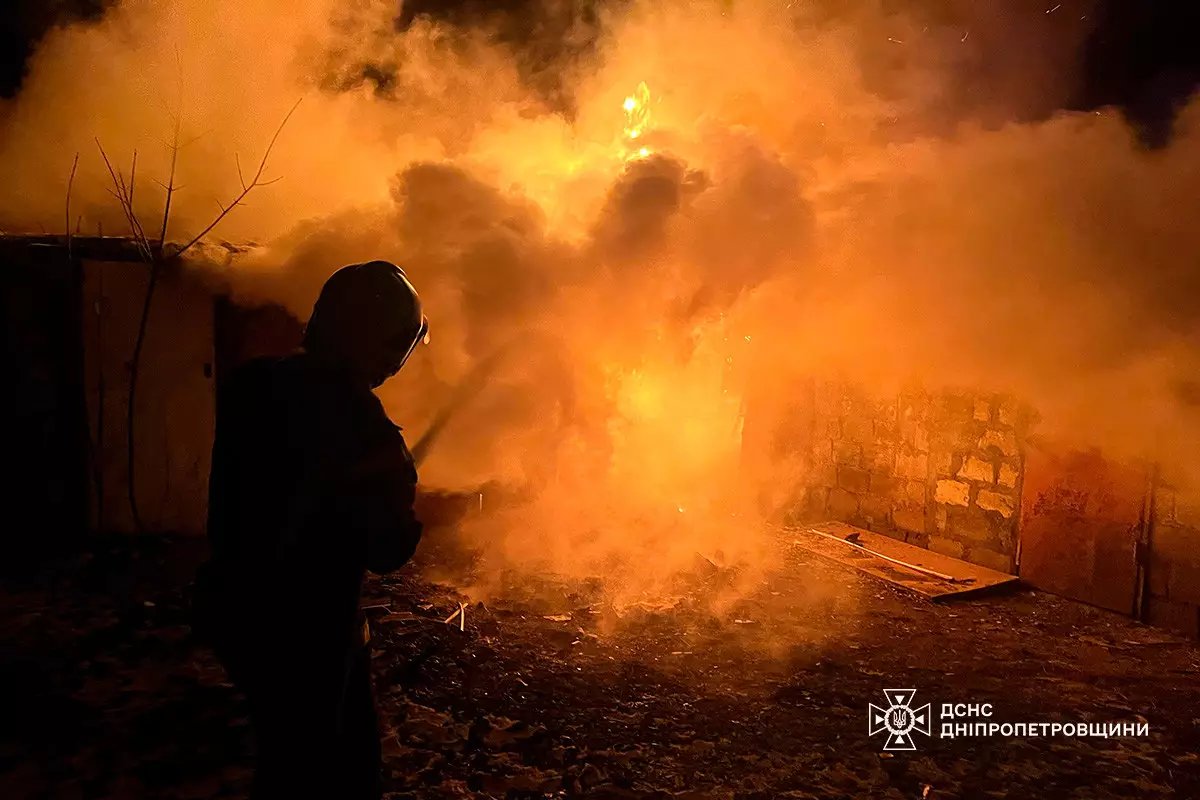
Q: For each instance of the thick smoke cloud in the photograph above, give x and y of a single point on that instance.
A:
(808, 191)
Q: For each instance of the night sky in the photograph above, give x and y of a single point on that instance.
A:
(1141, 55)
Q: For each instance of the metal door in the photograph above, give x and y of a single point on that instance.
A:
(1082, 517)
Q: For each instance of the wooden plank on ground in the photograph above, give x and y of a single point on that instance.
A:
(924, 572)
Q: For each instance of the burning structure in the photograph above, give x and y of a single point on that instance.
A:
(714, 304)
(727, 266)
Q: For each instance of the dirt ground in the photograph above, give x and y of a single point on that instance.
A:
(554, 693)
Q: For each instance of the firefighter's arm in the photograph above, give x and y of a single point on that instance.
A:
(383, 491)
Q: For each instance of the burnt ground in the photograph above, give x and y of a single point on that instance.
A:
(554, 694)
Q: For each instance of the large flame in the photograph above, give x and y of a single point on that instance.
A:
(637, 121)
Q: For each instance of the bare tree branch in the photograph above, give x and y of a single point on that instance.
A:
(154, 258)
(255, 181)
(124, 194)
(155, 255)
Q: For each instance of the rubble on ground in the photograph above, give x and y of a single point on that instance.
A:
(551, 694)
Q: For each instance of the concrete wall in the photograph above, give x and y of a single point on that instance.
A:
(941, 471)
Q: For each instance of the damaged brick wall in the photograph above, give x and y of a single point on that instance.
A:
(976, 468)
(1173, 596)
(941, 471)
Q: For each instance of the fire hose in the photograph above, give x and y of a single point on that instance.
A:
(466, 390)
(542, 347)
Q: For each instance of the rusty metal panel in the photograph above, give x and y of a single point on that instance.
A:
(1081, 518)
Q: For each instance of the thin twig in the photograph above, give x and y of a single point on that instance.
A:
(124, 194)
(170, 187)
(70, 184)
(195, 138)
(460, 614)
(132, 178)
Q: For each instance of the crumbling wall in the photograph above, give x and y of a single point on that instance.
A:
(937, 470)
(1173, 597)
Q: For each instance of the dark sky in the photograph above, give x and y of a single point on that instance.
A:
(1145, 57)
(1141, 55)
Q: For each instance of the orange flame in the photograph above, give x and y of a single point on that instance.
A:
(637, 121)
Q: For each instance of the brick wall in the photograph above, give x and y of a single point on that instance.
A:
(941, 471)
(1173, 597)
(976, 469)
